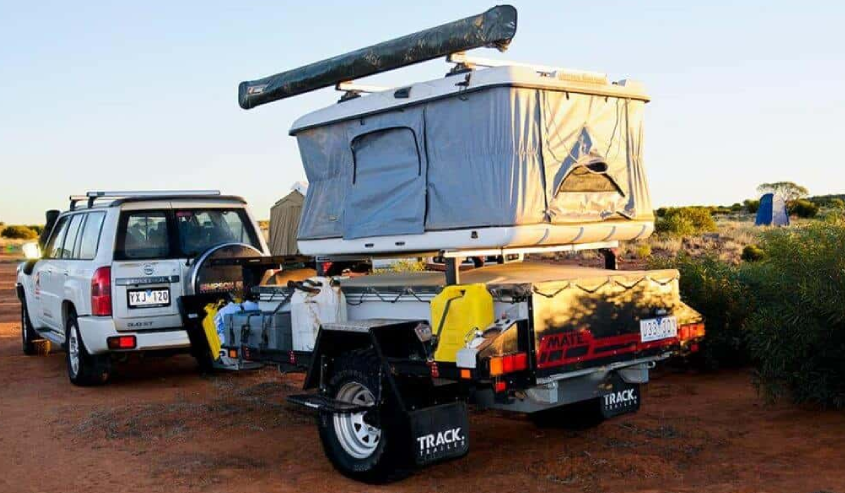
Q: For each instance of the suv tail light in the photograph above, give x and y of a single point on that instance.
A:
(101, 292)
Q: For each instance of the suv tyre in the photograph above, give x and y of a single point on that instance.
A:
(28, 335)
(83, 369)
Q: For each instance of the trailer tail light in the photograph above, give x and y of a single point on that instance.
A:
(101, 292)
(509, 363)
(121, 342)
(690, 331)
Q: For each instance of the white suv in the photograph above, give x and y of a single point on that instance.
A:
(111, 274)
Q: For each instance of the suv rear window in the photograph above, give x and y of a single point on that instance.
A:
(144, 235)
(181, 233)
(200, 229)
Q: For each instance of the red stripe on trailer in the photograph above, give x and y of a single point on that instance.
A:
(554, 348)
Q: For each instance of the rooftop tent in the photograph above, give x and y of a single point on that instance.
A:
(504, 155)
(772, 211)
(284, 222)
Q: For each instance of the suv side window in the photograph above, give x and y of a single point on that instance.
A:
(87, 244)
(72, 233)
(54, 246)
(143, 235)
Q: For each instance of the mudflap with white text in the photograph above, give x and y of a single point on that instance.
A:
(623, 398)
(440, 432)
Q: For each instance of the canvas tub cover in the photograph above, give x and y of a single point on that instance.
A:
(501, 156)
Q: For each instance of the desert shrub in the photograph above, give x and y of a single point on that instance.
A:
(751, 205)
(737, 207)
(642, 250)
(797, 331)
(803, 208)
(713, 288)
(753, 253)
(408, 265)
(38, 228)
(685, 221)
(18, 233)
(676, 225)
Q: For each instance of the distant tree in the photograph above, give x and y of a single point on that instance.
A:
(788, 190)
(751, 205)
(803, 208)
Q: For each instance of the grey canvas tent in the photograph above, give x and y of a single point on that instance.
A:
(772, 211)
(512, 150)
(284, 222)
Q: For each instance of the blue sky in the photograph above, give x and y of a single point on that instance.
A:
(143, 95)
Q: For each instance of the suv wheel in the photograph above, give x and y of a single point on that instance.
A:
(28, 335)
(83, 369)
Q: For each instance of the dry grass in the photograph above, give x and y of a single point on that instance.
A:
(732, 234)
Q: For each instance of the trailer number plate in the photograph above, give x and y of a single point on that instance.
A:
(655, 329)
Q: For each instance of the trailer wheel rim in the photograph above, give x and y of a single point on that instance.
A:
(73, 350)
(358, 438)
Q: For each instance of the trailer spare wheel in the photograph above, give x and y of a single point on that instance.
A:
(369, 446)
(209, 278)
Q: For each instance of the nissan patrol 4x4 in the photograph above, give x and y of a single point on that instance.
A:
(111, 270)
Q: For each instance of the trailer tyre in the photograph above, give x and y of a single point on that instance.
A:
(356, 448)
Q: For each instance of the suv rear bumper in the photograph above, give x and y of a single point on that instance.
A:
(95, 332)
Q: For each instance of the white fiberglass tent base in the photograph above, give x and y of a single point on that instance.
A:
(483, 238)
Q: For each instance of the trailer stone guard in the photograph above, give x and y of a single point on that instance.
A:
(493, 162)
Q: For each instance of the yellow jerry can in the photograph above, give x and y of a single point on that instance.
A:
(455, 312)
(211, 330)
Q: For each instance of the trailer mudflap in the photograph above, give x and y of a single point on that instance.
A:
(439, 432)
(322, 403)
(623, 398)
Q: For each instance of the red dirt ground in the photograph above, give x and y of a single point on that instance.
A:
(159, 427)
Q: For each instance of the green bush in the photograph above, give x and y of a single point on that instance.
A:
(797, 332)
(685, 221)
(714, 289)
(803, 208)
(753, 253)
(783, 312)
(751, 205)
(18, 233)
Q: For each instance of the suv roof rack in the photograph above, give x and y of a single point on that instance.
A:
(93, 196)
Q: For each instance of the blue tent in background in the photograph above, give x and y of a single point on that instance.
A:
(772, 211)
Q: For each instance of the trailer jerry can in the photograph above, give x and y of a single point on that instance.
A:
(455, 312)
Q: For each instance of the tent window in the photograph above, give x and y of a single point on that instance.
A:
(589, 178)
(387, 196)
(396, 147)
